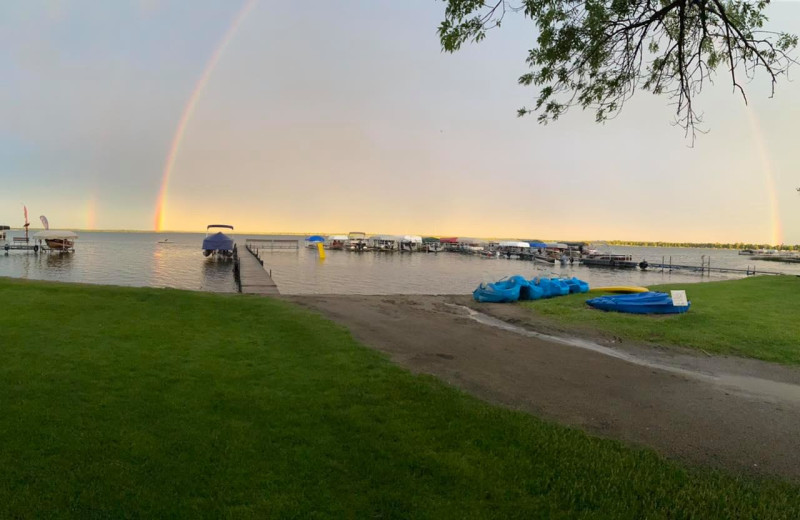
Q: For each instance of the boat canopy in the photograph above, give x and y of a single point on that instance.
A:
(430, 240)
(356, 235)
(467, 240)
(414, 239)
(390, 238)
(514, 243)
(315, 238)
(536, 244)
(449, 240)
(557, 245)
(218, 242)
(338, 238)
(226, 226)
(53, 234)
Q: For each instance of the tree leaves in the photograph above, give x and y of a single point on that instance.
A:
(595, 54)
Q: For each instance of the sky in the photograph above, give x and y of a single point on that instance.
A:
(332, 117)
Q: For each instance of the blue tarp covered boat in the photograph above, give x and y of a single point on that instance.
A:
(641, 303)
(218, 243)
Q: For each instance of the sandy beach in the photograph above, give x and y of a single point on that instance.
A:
(738, 414)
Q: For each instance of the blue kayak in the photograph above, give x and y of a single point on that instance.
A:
(641, 303)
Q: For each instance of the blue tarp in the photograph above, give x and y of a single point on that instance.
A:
(540, 245)
(218, 242)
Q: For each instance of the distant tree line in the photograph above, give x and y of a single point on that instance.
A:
(711, 245)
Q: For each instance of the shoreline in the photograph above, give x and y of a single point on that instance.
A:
(693, 419)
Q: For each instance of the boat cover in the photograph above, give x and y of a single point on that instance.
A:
(218, 242)
(53, 234)
(315, 238)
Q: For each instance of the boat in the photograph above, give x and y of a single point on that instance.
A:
(218, 243)
(504, 291)
(515, 248)
(641, 303)
(3, 230)
(747, 252)
(357, 241)
(56, 240)
(384, 243)
(576, 285)
(165, 241)
(609, 260)
(431, 244)
(778, 257)
(410, 243)
(336, 242)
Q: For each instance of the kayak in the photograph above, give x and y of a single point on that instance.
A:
(642, 303)
(620, 289)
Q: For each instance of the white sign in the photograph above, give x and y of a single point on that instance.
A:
(679, 299)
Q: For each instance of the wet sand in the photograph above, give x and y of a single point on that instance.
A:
(731, 413)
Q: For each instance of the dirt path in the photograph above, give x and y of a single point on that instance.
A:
(736, 414)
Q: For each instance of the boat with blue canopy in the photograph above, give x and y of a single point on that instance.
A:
(218, 243)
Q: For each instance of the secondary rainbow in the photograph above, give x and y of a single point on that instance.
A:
(188, 110)
(769, 176)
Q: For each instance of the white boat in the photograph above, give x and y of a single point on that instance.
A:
(383, 242)
(57, 240)
(410, 243)
(356, 241)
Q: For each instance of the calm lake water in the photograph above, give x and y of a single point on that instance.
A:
(137, 259)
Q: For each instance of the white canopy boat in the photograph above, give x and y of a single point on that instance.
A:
(57, 240)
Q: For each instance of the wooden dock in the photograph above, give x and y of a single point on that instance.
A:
(251, 276)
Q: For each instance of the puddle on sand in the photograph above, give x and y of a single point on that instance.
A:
(751, 386)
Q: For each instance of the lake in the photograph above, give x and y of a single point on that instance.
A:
(138, 259)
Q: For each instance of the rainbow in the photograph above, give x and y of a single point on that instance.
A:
(769, 176)
(188, 110)
(91, 212)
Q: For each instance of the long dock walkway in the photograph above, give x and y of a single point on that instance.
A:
(252, 278)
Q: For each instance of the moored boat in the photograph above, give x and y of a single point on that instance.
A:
(357, 241)
(218, 243)
(56, 240)
(609, 260)
(336, 242)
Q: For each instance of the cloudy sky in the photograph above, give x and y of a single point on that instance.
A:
(339, 116)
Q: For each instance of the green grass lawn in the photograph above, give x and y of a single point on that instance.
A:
(125, 403)
(757, 317)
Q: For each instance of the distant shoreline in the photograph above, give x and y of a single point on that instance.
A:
(625, 243)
